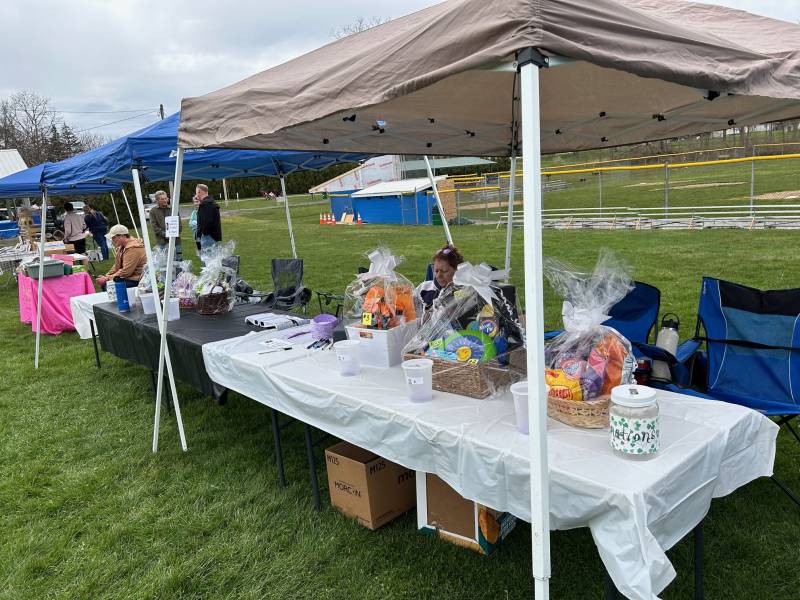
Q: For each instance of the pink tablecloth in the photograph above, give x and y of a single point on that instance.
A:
(56, 292)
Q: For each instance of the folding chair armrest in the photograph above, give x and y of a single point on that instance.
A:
(549, 335)
(654, 352)
(687, 350)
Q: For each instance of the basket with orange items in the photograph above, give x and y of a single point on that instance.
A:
(587, 359)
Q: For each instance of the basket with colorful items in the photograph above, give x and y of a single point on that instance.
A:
(470, 333)
(588, 359)
(380, 310)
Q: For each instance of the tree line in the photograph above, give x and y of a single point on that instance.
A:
(30, 124)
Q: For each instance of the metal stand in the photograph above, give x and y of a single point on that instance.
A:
(94, 343)
(276, 434)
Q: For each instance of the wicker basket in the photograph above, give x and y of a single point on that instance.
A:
(589, 415)
(214, 303)
(475, 381)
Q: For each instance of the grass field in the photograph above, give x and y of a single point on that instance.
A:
(88, 511)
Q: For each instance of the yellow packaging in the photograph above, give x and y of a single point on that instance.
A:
(562, 385)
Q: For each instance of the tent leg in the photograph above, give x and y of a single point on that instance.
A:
(163, 350)
(114, 206)
(225, 191)
(288, 215)
(312, 466)
(530, 60)
(128, 204)
(438, 202)
(42, 240)
(276, 434)
(512, 180)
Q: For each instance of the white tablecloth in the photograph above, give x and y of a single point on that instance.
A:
(635, 510)
(82, 313)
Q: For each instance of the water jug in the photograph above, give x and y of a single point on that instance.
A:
(668, 340)
(122, 295)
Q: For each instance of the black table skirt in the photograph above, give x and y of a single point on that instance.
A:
(134, 337)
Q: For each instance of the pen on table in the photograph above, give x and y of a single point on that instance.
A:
(273, 350)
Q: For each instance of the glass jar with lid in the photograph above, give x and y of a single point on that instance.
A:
(633, 417)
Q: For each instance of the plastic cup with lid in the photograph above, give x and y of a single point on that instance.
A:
(347, 357)
(419, 379)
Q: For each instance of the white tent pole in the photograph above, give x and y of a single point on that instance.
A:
(154, 284)
(534, 323)
(512, 181)
(175, 212)
(42, 238)
(114, 206)
(225, 190)
(438, 202)
(288, 215)
(125, 197)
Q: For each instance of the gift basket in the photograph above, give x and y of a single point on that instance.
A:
(470, 333)
(588, 359)
(160, 266)
(380, 310)
(215, 286)
(184, 286)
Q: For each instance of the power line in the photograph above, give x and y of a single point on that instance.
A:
(89, 112)
(114, 122)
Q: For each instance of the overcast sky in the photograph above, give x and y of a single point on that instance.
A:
(103, 55)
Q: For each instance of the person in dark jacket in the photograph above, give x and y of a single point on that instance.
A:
(97, 224)
(209, 227)
(445, 262)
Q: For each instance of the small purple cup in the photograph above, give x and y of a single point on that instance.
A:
(322, 326)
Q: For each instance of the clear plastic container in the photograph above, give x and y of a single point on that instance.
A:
(633, 418)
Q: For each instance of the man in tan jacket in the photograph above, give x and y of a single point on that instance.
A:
(130, 261)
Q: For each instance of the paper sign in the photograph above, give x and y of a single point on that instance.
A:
(173, 225)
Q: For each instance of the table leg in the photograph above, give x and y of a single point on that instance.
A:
(698, 562)
(94, 343)
(276, 434)
(312, 466)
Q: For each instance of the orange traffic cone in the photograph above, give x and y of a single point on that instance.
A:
(321, 220)
(327, 218)
(333, 219)
(358, 220)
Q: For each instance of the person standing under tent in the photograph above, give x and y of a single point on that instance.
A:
(130, 260)
(158, 220)
(209, 226)
(74, 229)
(193, 222)
(98, 227)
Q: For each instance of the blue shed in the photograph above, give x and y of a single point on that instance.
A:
(405, 202)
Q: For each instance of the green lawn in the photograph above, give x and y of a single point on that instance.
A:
(88, 511)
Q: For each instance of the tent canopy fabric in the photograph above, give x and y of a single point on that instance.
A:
(153, 151)
(441, 80)
(28, 184)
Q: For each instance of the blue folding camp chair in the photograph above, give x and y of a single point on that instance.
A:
(634, 316)
(752, 350)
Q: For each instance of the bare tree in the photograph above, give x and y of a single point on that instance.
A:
(359, 24)
(32, 119)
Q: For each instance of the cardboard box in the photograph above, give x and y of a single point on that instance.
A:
(444, 512)
(367, 487)
(382, 347)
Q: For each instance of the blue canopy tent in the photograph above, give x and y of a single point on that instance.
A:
(28, 183)
(152, 153)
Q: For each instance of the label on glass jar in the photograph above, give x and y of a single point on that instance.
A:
(635, 436)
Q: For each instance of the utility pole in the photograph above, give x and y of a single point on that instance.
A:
(161, 111)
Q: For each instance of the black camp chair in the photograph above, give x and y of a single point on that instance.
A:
(288, 291)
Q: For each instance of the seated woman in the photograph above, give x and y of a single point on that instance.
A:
(445, 262)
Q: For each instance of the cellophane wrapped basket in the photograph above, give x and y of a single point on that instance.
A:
(160, 265)
(215, 286)
(470, 333)
(184, 286)
(588, 359)
(381, 298)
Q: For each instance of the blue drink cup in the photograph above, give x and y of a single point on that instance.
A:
(122, 296)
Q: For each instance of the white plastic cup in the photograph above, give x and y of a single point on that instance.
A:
(419, 379)
(174, 310)
(347, 357)
(520, 392)
(148, 305)
(132, 296)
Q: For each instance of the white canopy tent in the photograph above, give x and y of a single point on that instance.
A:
(624, 71)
